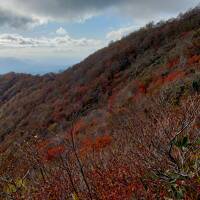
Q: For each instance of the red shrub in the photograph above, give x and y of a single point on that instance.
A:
(78, 126)
(174, 76)
(159, 81)
(54, 152)
(194, 59)
(111, 183)
(173, 63)
(97, 144)
(142, 88)
(102, 142)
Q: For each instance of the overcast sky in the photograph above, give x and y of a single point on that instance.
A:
(57, 33)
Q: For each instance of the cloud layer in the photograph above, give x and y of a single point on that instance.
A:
(15, 45)
(61, 31)
(15, 40)
(15, 20)
(80, 10)
(121, 32)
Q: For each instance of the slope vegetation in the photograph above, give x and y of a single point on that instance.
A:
(122, 124)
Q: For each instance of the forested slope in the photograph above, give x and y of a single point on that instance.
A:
(122, 124)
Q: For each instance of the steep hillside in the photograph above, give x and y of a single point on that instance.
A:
(122, 124)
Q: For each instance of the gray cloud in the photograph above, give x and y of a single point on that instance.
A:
(65, 9)
(119, 33)
(15, 45)
(82, 9)
(14, 20)
(65, 41)
(148, 10)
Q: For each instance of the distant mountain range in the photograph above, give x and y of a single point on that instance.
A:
(31, 66)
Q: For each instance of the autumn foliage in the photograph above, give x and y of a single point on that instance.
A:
(121, 125)
(194, 59)
(173, 62)
(96, 144)
(54, 152)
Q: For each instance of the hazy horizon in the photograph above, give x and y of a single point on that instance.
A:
(33, 67)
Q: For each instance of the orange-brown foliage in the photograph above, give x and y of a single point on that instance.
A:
(174, 76)
(194, 59)
(99, 143)
(173, 63)
(54, 152)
